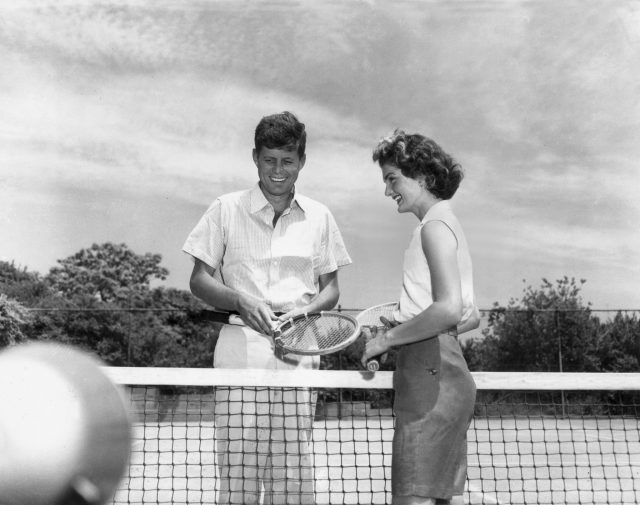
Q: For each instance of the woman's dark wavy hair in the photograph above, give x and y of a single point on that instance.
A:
(280, 131)
(420, 157)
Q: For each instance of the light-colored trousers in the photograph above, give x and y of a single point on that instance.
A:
(263, 435)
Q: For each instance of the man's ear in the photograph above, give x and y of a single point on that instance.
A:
(302, 161)
(254, 153)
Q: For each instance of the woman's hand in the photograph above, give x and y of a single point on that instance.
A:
(376, 343)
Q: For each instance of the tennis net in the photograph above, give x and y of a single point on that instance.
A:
(325, 437)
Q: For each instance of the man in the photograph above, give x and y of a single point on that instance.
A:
(267, 253)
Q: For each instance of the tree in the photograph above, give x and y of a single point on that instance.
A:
(110, 273)
(549, 329)
(618, 344)
(17, 283)
(100, 299)
(12, 316)
(187, 338)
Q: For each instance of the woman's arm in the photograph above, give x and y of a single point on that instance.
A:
(471, 323)
(439, 246)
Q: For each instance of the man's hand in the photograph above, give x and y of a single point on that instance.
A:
(292, 313)
(256, 314)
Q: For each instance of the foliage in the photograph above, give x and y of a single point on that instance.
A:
(551, 329)
(12, 316)
(617, 347)
(100, 299)
(19, 284)
(111, 273)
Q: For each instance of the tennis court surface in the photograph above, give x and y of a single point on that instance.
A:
(543, 438)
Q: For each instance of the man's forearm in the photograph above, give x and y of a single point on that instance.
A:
(328, 295)
(214, 293)
(326, 299)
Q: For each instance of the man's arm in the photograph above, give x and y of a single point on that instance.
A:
(255, 313)
(325, 300)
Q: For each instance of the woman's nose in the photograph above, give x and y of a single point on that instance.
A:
(387, 190)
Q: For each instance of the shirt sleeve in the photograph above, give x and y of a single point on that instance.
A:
(334, 253)
(206, 241)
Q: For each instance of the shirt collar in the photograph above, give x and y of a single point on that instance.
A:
(441, 205)
(258, 201)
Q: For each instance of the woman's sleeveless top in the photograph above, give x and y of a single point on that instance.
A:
(416, 293)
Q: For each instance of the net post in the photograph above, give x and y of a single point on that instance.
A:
(560, 368)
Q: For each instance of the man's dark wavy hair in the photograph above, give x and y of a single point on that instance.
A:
(281, 131)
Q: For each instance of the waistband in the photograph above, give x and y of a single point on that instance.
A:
(236, 320)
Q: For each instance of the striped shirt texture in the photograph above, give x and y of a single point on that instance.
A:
(278, 264)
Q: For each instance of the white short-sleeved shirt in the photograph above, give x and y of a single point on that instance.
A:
(279, 264)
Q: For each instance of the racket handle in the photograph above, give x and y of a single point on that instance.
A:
(216, 316)
(373, 365)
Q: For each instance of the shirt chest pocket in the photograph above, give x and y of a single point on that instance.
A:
(293, 248)
(298, 243)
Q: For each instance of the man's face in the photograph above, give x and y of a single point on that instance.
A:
(278, 169)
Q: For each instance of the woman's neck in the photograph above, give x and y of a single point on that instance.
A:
(425, 204)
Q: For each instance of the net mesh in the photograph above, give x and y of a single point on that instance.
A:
(253, 437)
(317, 332)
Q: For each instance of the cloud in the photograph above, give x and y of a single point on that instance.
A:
(137, 134)
(144, 103)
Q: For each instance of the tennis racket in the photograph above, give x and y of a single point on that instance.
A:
(312, 334)
(371, 318)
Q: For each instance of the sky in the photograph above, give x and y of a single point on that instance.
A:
(121, 121)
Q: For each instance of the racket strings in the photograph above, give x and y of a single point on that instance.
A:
(317, 332)
(371, 317)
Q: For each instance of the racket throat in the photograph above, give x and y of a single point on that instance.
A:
(279, 351)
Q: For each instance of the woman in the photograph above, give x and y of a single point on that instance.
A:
(434, 390)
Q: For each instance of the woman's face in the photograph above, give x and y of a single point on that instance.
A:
(408, 194)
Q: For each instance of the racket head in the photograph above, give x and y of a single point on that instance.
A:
(371, 317)
(317, 333)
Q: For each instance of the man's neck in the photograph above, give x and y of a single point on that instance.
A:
(279, 202)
